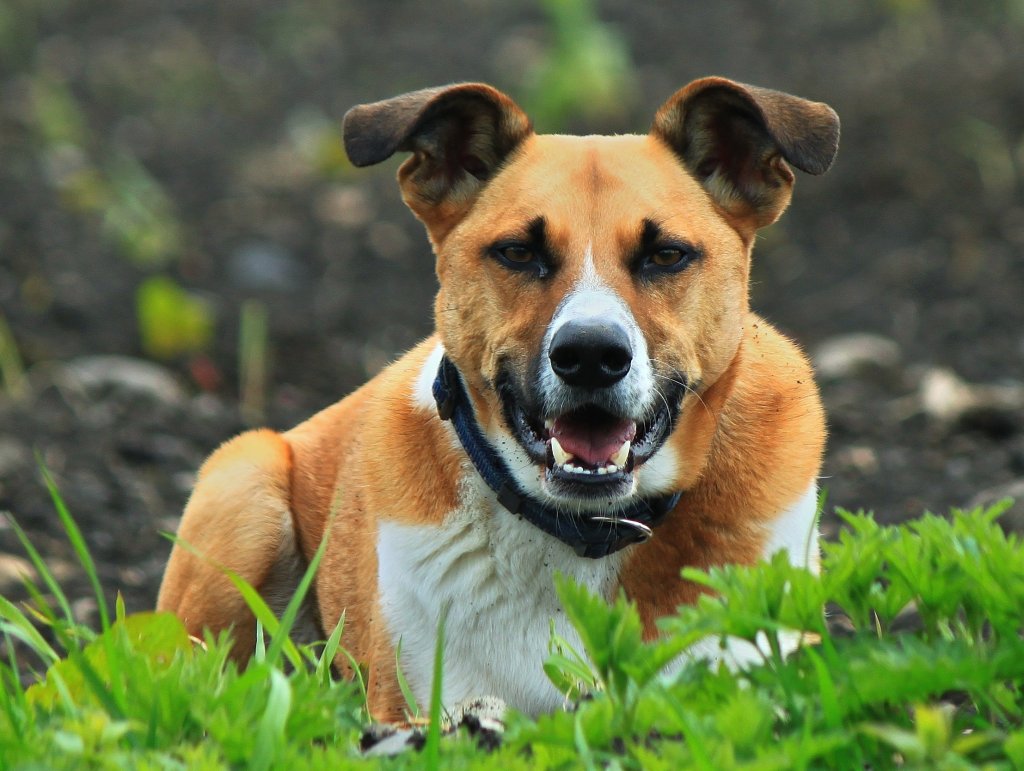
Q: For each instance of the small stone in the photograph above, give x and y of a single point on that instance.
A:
(264, 265)
(84, 609)
(14, 457)
(388, 241)
(854, 355)
(345, 205)
(992, 408)
(13, 570)
(97, 374)
(860, 458)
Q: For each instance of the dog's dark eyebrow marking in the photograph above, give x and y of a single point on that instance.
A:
(537, 232)
(533, 234)
(650, 233)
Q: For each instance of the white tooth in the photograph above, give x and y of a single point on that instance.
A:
(549, 423)
(561, 456)
(568, 467)
(619, 458)
(611, 468)
(602, 470)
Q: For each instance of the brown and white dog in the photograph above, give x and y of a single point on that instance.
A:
(596, 375)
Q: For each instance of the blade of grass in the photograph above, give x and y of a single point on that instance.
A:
(12, 692)
(264, 615)
(252, 360)
(114, 696)
(105, 696)
(153, 725)
(412, 709)
(432, 747)
(291, 611)
(41, 569)
(580, 743)
(331, 649)
(270, 733)
(323, 664)
(259, 655)
(12, 371)
(360, 677)
(826, 690)
(18, 625)
(77, 543)
(698, 748)
(819, 512)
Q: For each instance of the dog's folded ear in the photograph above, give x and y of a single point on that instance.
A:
(736, 141)
(459, 135)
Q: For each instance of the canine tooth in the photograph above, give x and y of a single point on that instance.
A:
(619, 458)
(561, 456)
(549, 423)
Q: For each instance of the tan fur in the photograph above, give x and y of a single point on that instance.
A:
(748, 441)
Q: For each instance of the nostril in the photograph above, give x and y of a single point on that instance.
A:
(617, 361)
(565, 360)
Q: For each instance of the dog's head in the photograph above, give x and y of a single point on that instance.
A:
(594, 289)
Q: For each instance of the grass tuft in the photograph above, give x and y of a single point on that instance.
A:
(928, 672)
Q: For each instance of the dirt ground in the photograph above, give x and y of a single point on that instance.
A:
(199, 142)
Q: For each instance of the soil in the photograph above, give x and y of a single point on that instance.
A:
(901, 271)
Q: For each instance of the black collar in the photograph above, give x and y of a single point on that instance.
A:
(589, 535)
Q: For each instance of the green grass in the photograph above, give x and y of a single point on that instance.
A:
(946, 691)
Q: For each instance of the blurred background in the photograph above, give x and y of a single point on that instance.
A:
(185, 250)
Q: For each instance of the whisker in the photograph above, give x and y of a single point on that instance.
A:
(682, 384)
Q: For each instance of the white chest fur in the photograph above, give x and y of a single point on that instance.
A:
(494, 572)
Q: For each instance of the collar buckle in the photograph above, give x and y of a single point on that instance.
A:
(641, 532)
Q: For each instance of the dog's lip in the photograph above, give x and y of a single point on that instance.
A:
(535, 433)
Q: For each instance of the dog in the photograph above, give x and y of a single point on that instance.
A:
(598, 399)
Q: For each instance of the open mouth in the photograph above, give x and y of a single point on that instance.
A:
(588, 448)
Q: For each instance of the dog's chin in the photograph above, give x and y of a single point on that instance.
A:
(587, 454)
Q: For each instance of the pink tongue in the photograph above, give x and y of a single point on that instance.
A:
(594, 445)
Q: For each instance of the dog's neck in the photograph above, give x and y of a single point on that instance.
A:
(589, 535)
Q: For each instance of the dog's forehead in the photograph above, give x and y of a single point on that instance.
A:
(598, 165)
(595, 187)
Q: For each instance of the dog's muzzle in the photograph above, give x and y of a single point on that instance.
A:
(591, 535)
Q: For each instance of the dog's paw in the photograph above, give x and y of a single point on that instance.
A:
(483, 718)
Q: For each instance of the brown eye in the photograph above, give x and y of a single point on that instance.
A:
(666, 258)
(520, 257)
(517, 254)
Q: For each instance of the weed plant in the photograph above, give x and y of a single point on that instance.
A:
(926, 672)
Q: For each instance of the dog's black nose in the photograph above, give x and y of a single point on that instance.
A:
(591, 354)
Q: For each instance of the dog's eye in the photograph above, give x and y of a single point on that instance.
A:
(666, 258)
(520, 255)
